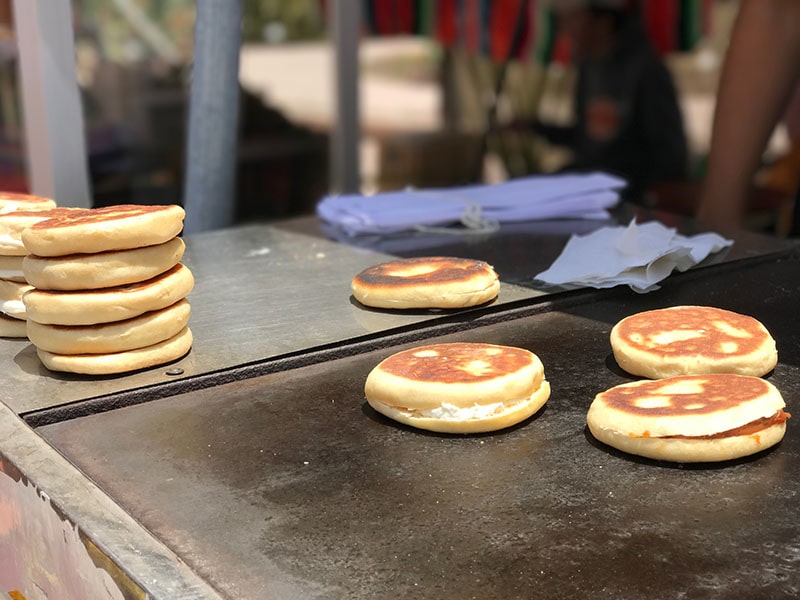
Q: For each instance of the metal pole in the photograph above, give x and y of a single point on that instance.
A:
(209, 191)
(345, 20)
(55, 141)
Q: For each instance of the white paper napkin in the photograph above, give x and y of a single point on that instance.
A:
(639, 256)
(476, 207)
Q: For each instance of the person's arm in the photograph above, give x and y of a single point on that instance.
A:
(761, 66)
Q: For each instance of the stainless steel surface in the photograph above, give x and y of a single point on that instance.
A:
(289, 486)
(260, 293)
(147, 564)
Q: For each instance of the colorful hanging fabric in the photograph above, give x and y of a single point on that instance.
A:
(661, 22)
(404, 16)
(695, 22)
(542, 38)
(487, 26)
(478, 26)
(502, 22)
(676, 26)
(471, 25)
(390, 17)
(425, 17)
(447, 22)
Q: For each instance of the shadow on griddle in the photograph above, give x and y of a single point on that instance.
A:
(613, 366)
(701, 466)
(374, 415)
(417, 311)
(28, 361)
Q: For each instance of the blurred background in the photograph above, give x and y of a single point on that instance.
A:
(430, 115)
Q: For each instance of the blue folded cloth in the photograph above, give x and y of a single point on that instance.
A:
(479, 207)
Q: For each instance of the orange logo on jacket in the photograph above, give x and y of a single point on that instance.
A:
(602, 119)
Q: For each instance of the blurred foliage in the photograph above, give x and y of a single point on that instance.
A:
(299, 20)
(105, 22)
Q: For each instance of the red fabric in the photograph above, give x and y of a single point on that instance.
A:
(502, 20)
(527, 34)
(472, 25)
(446, 21)
(382, 9)
(562, 50)
(404, 16)
(492, 34)
(661, 22)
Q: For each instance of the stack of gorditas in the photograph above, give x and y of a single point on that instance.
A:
(16, 212)
(109, 290)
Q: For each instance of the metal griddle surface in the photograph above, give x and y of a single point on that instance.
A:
(263, 292)
(259, 293)
(289, 486)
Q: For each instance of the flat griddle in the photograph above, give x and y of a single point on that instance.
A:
(271, 296)
(287, 485)
(261, 294)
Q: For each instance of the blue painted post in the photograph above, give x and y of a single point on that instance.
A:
(209, 191)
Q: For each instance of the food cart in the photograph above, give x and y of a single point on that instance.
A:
(253, 467)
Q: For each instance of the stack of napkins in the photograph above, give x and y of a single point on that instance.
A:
(479, 207)
(637, 255)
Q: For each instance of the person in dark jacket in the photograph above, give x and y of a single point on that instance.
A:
(627, 120)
